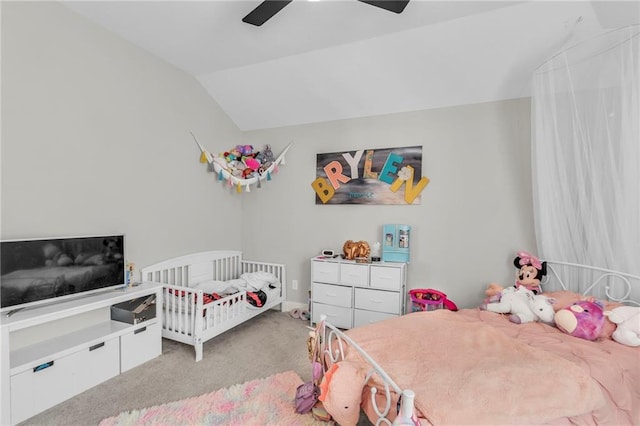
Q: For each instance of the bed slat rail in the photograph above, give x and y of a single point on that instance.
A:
(591, 280)
(274, 268)
(178, 276)
(227, 268)
(179, 302)
(223, 310)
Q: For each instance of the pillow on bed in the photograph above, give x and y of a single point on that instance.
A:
(259, 280)
(564, 298)
(213, 286)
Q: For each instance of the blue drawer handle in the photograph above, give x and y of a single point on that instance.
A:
(42, 366)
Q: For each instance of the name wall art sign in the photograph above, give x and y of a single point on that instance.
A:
(370, 176)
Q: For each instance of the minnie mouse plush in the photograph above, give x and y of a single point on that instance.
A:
(529, 274)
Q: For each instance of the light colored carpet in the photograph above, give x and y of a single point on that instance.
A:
(267, 401)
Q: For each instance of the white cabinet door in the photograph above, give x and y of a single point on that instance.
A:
(35, 391)
(41, 387)
(140, 345)
(96, 364)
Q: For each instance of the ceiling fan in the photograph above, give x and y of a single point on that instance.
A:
(265, 10)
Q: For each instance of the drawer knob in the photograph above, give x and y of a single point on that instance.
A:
(140, 330)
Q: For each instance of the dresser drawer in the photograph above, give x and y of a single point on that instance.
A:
(389, 278)
(332, 294)
(377, 300)
(354, 274)
(325, 272)
(368, 317)
(336, 315)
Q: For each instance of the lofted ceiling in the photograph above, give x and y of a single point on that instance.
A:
(328, 60)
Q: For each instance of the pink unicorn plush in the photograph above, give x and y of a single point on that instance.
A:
(583, 319)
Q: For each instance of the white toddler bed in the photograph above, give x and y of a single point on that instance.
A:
(189, 313)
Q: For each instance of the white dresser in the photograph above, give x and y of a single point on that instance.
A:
(351, 294)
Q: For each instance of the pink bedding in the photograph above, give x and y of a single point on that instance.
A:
(476, 367)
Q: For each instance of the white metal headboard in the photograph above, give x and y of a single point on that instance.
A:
(591, 280)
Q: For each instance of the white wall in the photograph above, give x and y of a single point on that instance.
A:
(475, 213)
(95, 139)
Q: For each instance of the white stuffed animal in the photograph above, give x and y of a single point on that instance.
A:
(523, 305)
(627, 320)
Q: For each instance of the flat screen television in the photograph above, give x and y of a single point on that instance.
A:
(38, 271)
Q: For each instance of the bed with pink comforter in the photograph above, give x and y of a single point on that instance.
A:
(477, 367)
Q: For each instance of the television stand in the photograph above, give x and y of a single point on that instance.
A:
(13, 311)
(50, 353)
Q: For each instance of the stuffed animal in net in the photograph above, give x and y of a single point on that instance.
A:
(584, 319)
(341, 392)
(523, 306)
(530, 271)
(627, 320)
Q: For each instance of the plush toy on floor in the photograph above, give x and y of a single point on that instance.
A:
(341, 392)
(529, 274)
(627, 319)
(523, 305)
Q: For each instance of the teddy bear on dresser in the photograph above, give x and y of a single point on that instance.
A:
(530, 271)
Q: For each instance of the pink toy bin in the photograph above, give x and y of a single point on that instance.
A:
(426, 299)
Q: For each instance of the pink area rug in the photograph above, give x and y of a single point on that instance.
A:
(268, 401)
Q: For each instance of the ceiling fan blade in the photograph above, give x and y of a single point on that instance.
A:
(265, 11)
(390, 5)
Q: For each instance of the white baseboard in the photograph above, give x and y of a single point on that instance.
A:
(288, 306)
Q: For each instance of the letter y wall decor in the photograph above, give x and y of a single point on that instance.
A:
(370, 176)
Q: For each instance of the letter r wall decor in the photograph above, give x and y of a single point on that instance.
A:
(370, 176)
